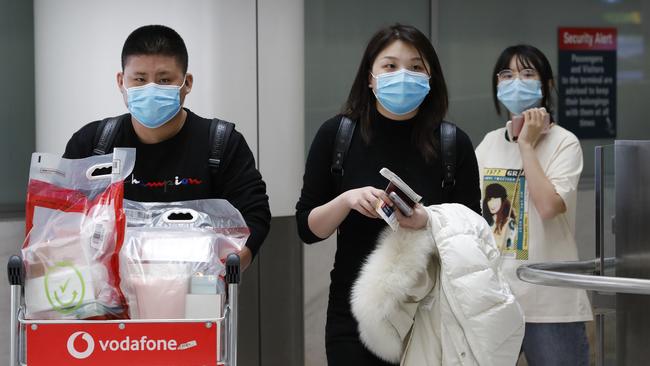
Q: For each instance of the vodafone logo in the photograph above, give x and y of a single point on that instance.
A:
(89, 348)
(126, 344)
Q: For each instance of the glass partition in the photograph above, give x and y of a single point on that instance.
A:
(473, 33)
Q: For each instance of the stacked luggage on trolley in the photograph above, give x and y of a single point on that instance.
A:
(102, 280)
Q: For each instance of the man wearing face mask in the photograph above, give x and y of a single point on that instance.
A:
(538, 165)
(174, 146)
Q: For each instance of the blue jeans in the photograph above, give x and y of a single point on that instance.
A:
(556, 344)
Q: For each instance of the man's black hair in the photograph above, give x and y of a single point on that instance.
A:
(155, 40)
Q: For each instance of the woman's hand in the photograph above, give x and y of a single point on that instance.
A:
(418, 220)
(363, 200)
(534, 124)
(323, 220)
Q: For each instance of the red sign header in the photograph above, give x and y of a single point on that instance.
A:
(137, 344)
(587, 39)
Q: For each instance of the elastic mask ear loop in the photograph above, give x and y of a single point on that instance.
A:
(126, 89)
(374, 92)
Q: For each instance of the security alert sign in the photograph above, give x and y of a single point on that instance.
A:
(99, 344)
(587, 81)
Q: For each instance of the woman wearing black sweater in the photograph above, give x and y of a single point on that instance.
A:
(398, 101)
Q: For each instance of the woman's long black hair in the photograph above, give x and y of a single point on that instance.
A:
(361, 101)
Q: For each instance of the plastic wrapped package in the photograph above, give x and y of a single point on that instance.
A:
(171, 263)
(75, 227)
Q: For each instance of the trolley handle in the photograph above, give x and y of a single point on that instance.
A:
(233, 269)
(16, 276)
(233, 274)
(15, 271)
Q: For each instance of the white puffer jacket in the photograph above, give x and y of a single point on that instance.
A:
(436, 296)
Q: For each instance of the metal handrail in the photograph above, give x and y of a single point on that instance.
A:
(556, 274)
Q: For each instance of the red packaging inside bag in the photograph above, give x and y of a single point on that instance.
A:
(74, 231)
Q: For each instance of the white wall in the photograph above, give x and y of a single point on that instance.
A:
(77, 50)
(78, 45)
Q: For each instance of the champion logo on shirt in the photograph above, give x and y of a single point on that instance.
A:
(165, 184)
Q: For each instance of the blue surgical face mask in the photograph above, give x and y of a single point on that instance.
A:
(153, 105)
(402, 91)
(519, 95)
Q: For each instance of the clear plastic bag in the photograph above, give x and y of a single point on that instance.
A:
(75, 227)
(171, 263)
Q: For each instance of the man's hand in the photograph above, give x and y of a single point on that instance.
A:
(245, 258)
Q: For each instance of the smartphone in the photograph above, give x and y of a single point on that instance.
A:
(401, 205)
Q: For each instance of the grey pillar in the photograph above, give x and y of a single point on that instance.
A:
(271, 301)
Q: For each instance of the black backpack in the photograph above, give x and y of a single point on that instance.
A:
(447, 146)
(219, 135)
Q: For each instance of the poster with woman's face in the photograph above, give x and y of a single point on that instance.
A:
(505, 211)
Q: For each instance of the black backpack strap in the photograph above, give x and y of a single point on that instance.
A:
(219, 135)
(105, 135)
(341, 147)
(448, 149)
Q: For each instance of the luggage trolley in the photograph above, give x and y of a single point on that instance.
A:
(124, 342)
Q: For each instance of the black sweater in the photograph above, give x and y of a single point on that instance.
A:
(390, 147)
(177, 170)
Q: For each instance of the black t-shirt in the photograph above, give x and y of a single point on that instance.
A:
(177, 169)
(391, 147)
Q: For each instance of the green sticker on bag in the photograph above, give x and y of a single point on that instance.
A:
(64, 287)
